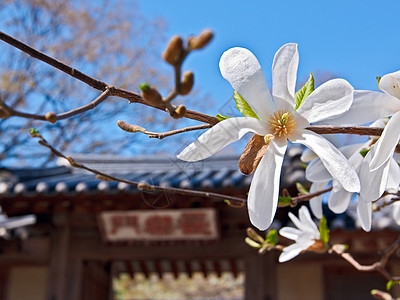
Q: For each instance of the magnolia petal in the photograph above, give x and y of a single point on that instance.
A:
(339, 199)
(307, 155)
(334, 161)
(221, 135)
(290, 233)
(390, 84)
(387, 143)
(264, 189)
(252, 154)
(284, 73)
(316, 202)
(396, 212)
(393, 176)
(349, 150)
(364, 213)
(373, 183)
(367, 107)
(316, 171)
(309, 225)
(331, 99)
(241, 68)
(293, 250)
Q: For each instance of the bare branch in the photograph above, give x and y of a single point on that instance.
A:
(360, 130)
(159, 135)
(301, 198)
(95, 83)
(379, 266)
(12, 112)
(140, 185)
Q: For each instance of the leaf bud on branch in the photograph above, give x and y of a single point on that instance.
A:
(179, 112)
(150, 94)
(174, 49)
(51, 117)
(129, 127)
(201, 40)
(187, 83)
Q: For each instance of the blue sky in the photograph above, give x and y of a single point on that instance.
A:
(355, 39)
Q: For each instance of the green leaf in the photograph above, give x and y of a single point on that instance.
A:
(302, 189)
(304, 92)
(364, 152)
(272, 237)
(252, 243)
(34, 133)
(221, 117)
(243, 106)
(284, 201)
(144, 86)
(323, 230)
(391, 283)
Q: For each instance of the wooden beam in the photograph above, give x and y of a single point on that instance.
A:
(58, 265)
(261, 276)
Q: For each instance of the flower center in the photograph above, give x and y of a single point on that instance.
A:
(282, 123)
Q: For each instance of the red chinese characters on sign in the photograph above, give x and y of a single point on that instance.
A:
(195, 223)
(173, 224)
(159, 225)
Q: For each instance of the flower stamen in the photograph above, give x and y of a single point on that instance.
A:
(282, 123)
(268, 138)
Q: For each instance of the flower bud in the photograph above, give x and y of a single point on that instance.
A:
(377, 294)
(129, 127)
(187, 83)
(72, 162)
(174, 49)
(179, 112)
(254, 235)
(201, 40)
(150, 94)
(235, 204)
(51, 117)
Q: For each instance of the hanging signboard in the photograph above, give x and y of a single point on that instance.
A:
(159, 225)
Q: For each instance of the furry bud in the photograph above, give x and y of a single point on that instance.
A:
(51, 117)
(179, 112)
(150, 94)
(174, 49)
(187, 83)
(201, 40)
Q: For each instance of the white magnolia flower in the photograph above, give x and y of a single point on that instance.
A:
(369, 106)
(278, 123)
(373, 183)
(396, 212)
(305, 235)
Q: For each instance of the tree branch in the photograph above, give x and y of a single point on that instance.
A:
(306, 197)
(140, 185)
(379, 266)
(95, 83)
(159, 135)
(360, 130)
(12, 112)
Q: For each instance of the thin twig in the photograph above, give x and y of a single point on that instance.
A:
(360, 130)
(379, 266)
(95, 83)
(306, 197)
(12, 112)
(159, 135)
(140, 185)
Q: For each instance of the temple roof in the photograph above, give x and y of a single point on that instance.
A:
(215, 173)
